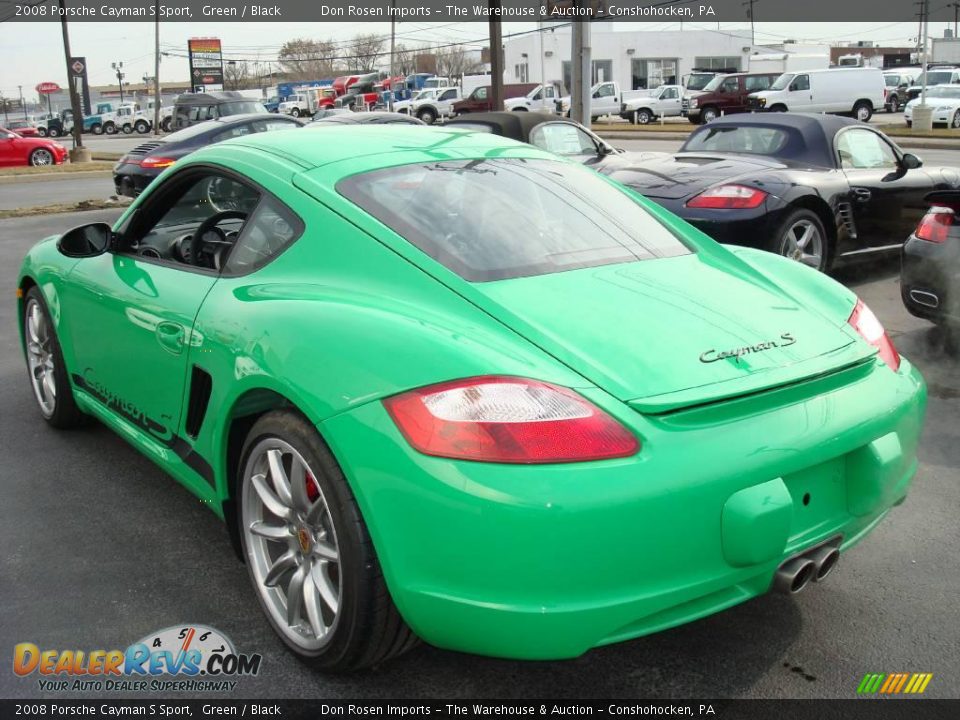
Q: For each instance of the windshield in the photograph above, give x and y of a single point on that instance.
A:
(713, 84)
(782, 82)
(507, 218)
(935, 78)
(750, 139)
(944, 91)
(699, 81)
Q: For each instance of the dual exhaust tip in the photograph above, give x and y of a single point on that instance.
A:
(795, 574)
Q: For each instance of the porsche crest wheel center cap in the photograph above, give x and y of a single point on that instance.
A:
(303, 537)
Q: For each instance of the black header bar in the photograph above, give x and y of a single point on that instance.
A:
(659, 11)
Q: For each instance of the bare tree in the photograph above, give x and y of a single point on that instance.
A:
(404, 59)
(236, 75)
(455, 61)
(305, 59)
(365, 51)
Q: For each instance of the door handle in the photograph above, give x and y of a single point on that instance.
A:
(862, 194)
(170, 336)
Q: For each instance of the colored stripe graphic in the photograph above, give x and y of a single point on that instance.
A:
(894, 683)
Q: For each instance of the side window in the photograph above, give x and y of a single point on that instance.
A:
(267, 232)
(182, 119)
(860, 149)
(757, 83)
(605, 90)
(481, 94)
(670, 94)
(549, 92)
(212, 112)
(449, 95)
(730, 85)
(800, 82)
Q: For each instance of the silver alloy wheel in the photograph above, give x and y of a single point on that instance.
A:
(709, 115)
(641, 117)
(803, 242)
(40, 359)
(291, 544)
(41, 158)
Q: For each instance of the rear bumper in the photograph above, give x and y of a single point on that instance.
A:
(750, 227)
(930, 280)
(131, 180)
(547, 562)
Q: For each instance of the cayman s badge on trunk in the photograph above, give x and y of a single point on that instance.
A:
(712, 355)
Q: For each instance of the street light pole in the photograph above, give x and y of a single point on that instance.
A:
(23, 105)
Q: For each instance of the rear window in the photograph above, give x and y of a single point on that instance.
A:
(495, 219)
(241, 107)
(753, 140)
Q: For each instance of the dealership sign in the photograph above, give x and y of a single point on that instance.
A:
(47, 88)
(206, 63)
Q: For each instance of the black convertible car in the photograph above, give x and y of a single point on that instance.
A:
(140, 166)
(817, 188)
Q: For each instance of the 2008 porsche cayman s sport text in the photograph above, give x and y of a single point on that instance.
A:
(443, 385)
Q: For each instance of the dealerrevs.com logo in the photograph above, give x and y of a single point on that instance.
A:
(180, 658)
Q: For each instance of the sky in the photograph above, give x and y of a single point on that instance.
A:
(31, 53)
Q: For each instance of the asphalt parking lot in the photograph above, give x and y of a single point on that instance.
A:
(102, 548)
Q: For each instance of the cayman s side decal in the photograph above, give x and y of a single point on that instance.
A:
(713, 355)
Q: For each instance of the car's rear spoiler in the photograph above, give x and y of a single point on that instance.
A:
(950, 198)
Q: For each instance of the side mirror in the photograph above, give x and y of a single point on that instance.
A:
(86, 241)
(911, 161)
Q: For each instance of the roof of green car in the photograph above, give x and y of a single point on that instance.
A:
(314, 147)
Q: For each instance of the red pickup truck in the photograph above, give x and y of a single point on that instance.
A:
(479, 99)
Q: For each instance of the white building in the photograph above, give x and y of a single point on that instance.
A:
(635, 59)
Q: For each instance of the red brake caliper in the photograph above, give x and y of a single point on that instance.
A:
(312, 492)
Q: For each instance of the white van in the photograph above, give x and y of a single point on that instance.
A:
(858, 91)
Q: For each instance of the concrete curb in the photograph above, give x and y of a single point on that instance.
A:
(84, 175)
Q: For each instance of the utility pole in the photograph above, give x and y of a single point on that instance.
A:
(753, 40)
(393, 49)
(956, 8)
(23, 105)
(543, 69)
(74, 90)
(3, 103)
(581, 66)
(118, 67)
(496, 57)
(923, 63)
(156, 68)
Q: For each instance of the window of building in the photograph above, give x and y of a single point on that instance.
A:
(649, 73)
(602, 72)
(718, 62)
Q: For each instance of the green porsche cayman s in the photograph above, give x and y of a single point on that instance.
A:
(446, 386)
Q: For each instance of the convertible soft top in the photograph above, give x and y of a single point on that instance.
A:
(513, 125)
(812, 134)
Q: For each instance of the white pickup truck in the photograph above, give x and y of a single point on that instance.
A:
(543, 98)
(664, 101)
(440, 105)
(606, 98)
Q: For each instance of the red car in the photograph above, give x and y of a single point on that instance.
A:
(23, 128)
(18, 150)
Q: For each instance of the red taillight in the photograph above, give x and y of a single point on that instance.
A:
(865, 322)
(935, 225)
(502, 419)
(728, 197)
(157, 162)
